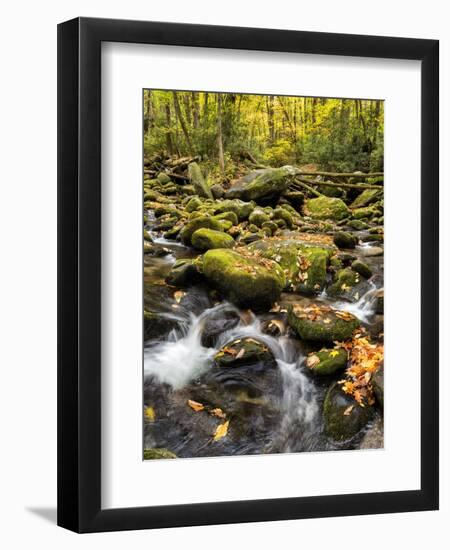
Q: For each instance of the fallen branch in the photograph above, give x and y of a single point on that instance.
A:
(342, 174)
(301, 183)
(345, 185)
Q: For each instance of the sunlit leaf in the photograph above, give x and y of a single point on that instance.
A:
(221, 430)
(195, 406)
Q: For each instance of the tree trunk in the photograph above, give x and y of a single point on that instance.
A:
(219, 133)
(195, 110)
(180, 117)
(270, 120)
(169, 144)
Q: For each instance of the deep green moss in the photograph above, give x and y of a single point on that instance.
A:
(197, 223)
(326, 208)
(206, 239)
(340, 426)
(244, 281)
(327, 328)
(330, 361)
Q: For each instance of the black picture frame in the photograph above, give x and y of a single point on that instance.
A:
(79, 274)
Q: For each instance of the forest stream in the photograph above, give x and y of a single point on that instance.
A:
(263, 315)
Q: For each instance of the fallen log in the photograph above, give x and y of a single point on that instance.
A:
(344, 185)
(342, 174)
(300, 185)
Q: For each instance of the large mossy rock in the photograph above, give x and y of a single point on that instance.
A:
(322, 324)
(345, 239)
(303, 260)
(343, 417)
(366, 212)
(327, 361)
(207, 239)
(262, 185)
(368, 196)
(247, 282)
(326, 208)
(198, 181)
(196, 223)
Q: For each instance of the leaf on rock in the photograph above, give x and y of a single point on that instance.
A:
(312, 361)
(218, 412)
(149, 413)
(178, 295)
(195, 406)
(221, 430)
(348, 410)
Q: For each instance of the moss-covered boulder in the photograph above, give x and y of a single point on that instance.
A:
(229, 216)
(327, 361)
(368, 196)
(166, 209)
(362, 268)
(343, 417)
(184, 273)
(206, 239)
(326, 208)
(304, 261)
(242, 209)
(344, 239)
(262, 185)
(198, 181)
(258, 217)
(196, 223)
(244, 351)
(153, 454)
(283, 214)
(322, 324)
(358, 225)
(247, 282)
(344, 282)
(366, 212)
(163, 178)
(193, 204)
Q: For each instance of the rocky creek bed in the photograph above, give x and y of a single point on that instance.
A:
(263, 316)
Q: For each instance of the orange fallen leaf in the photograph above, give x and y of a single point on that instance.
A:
(348, 410)
(195, 406)
(218, 412)
(312, 361)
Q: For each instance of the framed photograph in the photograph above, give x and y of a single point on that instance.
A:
(248, 246)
